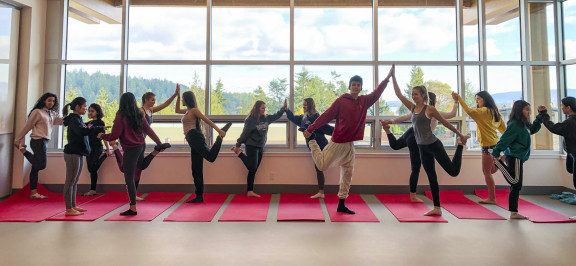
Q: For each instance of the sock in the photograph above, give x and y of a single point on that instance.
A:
(227, 126)
(342, 207)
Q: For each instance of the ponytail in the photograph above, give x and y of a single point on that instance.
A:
(72, 105)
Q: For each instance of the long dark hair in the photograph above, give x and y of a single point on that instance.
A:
(517, 113)
(98, 109)
(255, 112)
(190, 102)
(129, 110)
(490, 104)
(78, 101)
(432, 100)
(311, 107)
(42, 102)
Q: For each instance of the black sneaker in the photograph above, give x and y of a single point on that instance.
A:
(162, 146)
(226, 127)
(129, 212)
(312, 136)
(196, 200)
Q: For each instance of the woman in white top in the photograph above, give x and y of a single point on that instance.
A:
(196, 140)
(41, 119)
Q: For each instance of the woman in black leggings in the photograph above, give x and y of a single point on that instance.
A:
(254, 137)
(196, 140)
(431, 147)
(95, 159)
(408, 140)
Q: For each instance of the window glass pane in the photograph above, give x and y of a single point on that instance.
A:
(505, 86)
(472, 86)
(444, 134)
(502, 31)
(441, 80)
(234, 89)
(417, 34)
(545, 92)
(332, 33)
(162, 79)
(470, 32)
(571, 80)
(5, 31)
(264, 33)
(276, 133)
(569, 20)
(175, 33)
(543, 46)
(325, 84)
(92, 35)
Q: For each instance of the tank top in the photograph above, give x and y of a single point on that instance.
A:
(422, 130)
(188, 123)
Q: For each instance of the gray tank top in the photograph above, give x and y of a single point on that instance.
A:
(422, 130)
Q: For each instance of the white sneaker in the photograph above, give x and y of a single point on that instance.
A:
(317, 195)
(573, 218)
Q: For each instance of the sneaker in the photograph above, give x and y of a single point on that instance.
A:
(226, 127)
(38, 196)
(162, 146)
(129, 212)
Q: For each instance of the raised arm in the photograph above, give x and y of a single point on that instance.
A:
(167, 103)
(375, 95)
(399, 94)
(451, 114)
(561, 128)
(179, 109)
(296, 119)
(277, 115)
(432, 112)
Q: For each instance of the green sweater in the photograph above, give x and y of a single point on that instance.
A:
(515, 141)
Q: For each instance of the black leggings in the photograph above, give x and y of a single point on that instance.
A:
(436, 151)
(320, 177)
(408, 140)
(513, 172)
(133, 160)
(94, 160)
(38, 159)
(252, 161)
(147, 160)
(198, 152)
(570, 165)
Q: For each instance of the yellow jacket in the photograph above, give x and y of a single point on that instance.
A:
(487, 127)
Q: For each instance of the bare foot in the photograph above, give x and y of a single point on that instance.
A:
(487, 201)
(252, 194)
(517, 216)
(318, 195)
(435, 211)
(79, 209)
(414, 198)
(139, 198)
(72, 212)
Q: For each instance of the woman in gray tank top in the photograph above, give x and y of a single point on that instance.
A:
(431, 147)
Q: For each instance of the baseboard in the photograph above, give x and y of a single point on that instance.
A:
(273, 189)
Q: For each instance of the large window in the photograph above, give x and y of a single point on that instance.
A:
(502, 31)
(569, 30)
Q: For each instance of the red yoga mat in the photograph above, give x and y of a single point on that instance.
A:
(462, 207)
(246, 209)
(155, 204)
(21, 200)
(96, 208)
(355, 203)
(299, 207)
(534, 212)
(406, 211)
(198, 212)
(27, 210)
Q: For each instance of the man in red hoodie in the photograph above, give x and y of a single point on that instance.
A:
(349, 110)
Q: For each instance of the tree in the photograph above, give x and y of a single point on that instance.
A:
(416, 79)
(109, 107)
(443, 93)
(277, 89)
(217, 99)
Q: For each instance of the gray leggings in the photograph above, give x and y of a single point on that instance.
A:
(74, 163)
(133, 159)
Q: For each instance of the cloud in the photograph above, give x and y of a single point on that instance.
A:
(4, 47)
(502, 28)
(570, 49)
(492, 48)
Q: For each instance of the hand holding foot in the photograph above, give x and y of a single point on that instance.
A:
(236, 150)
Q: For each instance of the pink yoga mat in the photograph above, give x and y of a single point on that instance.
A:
(27, 210)
(21, 200)
(355, 203)
(198, 212)
(96, 208)
(534, 212)
(456, 203)
(299, 207)
(246, 209)
(406, 211)
(153, 205)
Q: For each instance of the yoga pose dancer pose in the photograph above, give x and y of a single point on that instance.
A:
(515, 143)
(148, 108)
(303, 121)
(95, 159)
(41, 119)
(130, 126)
(408, 140)
(75, 150)
(488, 120)
(254, 136)
(198, 148)
(431, 147)
(349, 110)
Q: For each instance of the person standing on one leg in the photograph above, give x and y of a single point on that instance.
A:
(349, 110)
(515, 143)
(95, 159)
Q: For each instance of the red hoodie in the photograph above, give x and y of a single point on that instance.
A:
(350, 115)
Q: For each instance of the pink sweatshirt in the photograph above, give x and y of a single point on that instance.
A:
(350, 115)
(128, 137)
(40, 122)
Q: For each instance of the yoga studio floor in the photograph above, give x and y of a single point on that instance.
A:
(385, 241)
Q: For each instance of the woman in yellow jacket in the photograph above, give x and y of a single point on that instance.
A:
(488, 120)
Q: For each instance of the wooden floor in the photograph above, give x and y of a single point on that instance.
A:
(458, 242)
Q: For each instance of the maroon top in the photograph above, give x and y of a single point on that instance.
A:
(128, 137)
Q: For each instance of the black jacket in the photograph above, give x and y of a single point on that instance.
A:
(77, 135)
(566, 129)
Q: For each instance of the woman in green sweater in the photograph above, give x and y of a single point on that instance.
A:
(515, 143)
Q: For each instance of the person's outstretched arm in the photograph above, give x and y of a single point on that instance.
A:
(451, 114)
(400, 96)
(179, 109)
(167, 103)
(375, 95)
(433, 112)
(560, 128)
(199, 114)
(271, 118)
(296, 119)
